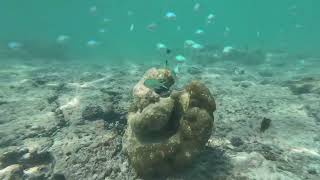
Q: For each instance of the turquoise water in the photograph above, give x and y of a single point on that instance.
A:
(108, 89)
(286, 24)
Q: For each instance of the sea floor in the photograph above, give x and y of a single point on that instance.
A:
(65, 120)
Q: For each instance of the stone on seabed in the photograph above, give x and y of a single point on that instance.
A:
(165, 134)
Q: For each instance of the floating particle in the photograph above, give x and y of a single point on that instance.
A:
(170, 16)
(102, 30)
(106, 20)
(152, 26)
(131, 27)
(178, 28)
(62, 39)
(130, 13)
(293, 7)
(196, 7)
(93, 9)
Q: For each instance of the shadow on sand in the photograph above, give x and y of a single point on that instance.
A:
(211, 164)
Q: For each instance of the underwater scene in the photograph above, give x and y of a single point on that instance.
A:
(160, 90)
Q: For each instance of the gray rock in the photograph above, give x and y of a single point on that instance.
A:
(92, 112)
(12, 172)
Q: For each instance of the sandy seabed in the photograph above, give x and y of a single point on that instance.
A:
(65, 120)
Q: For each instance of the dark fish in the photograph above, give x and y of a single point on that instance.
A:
(154, 84)
(265, 124)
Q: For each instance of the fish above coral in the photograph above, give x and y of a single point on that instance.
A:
(165, 134)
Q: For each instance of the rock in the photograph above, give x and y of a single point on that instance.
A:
(166, 134)
(246, 84)
(236, 141)
(109, 112)
(313, 169)
(198, 95)
(304, 85)
(92, 112)
(153, 118)
(36, 172)
(239, 71)
(11, 157)
(270, 152)
(2, 102)
(195, 70)
(266, 73)
(58, 176)
(12, 172)
(30, 164)
(52, 98)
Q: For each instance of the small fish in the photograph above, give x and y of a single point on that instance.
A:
(131, 27)
(188, 43)
(196, 7)
(197, 46)
(161, 46)
(227, 49)
(93, 9)
(155, 84)
(152, 26)
(210, 18)
(180, 58)
(14, 45)
(265, 124)
(170, 16)
(92, 43)
(62, 39)
(199, 32)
